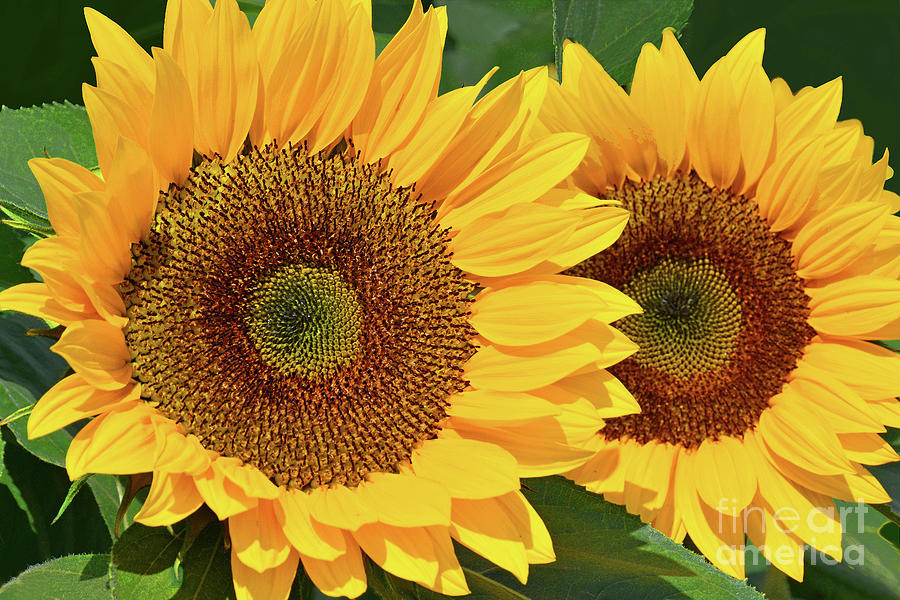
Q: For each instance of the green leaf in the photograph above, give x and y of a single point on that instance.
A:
(613, 31)
(11, 249)
(207, 567)
(601, 551)
(871, 566)
(26, 359)
(889, 474)
(81, 576)
(143, 564)
(56, 130)
(30, 495)
(251, 8)
(511, 34)
(108, 492)
(70, 495)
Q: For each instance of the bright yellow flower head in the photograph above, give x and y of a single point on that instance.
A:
(764, 254)
(268, 297)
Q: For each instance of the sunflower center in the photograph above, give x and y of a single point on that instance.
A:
(691, 317)
(724, 319)
(304, 320)
(296, 311)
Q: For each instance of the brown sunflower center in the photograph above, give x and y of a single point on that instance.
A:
(724, 318)
(296, 311)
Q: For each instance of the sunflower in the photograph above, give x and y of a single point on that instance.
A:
(764, 254)
(268, 299)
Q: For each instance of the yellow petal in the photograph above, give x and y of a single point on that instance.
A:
(782, 548)
(303, 80)
(800, 511)
(133, 191)
(272, 584)
(171, 120)
(257, 538)
(788, 186)
(607, 106)
(656, 93)
(726, 484)
(524, 368)
(854, 307)
(490, 407)
(442, 119)
(172, 497)
(834, 239)
(497, 119)
(513, 241)
(406, 501)
(309, 537)
(104, 246)
(841, 408)
(719, 537)
(598, 229)
(72, 399)
(222, 73)
(403, 82)
(467, 468)
(407, 552)
(714, 143)
(57, 260)
(120, 442)
(222, 495)
(354, 72)
(536, 311)
(344, 576)
(521, 177)
(60, 180)
(113, 43)
(36, 299)
(609, 397)
(544, 447)
(647, 478)
(180, 453)
(487, 528)
(340, 506)
(111, 118)
(184, 18)
(867, 448)
(871, 371)
(96, 350)
(813, 112)
(791, 431)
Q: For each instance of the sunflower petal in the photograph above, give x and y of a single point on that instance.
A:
(271, 584)
(309, 537)
(96, 350)
(257, 538)
(857, 306)
(172, 497)
(344, 576)
(72, 399)
(449, 462)
(120, 442)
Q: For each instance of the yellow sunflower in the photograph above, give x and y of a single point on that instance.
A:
(268, 296)
(764, 254)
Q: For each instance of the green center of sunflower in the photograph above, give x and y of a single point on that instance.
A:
(298, 312)
(691, 317)
(724, 319)
(304, 320)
